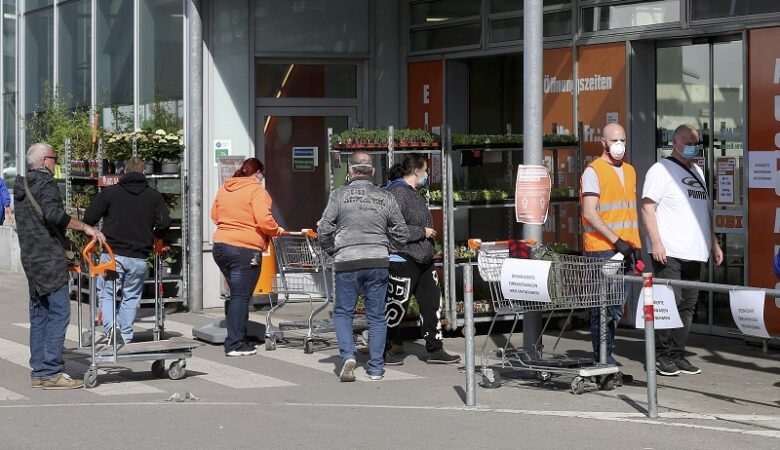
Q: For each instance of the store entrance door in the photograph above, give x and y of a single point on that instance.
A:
(292, 142)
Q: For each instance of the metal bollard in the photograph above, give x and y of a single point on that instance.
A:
(468, 328)
(649, 315)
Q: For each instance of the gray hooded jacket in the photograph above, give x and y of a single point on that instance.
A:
(356, 223)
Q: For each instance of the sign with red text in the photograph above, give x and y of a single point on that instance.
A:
(725, 172)
(532, 194)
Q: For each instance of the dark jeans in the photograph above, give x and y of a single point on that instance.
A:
(373, 283)
(49, 318)
(671, 343)
(241, 268)
(407, 279)
(614, 314)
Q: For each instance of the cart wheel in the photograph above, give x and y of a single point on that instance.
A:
(308, 346)
(177, 370)
(607, 382)
(158, 368)
(500, 353)
(491, 379)
(270, 343)
(543, 376)
(90, 379)
(577, 386)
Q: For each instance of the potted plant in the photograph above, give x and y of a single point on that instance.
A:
(117, 147)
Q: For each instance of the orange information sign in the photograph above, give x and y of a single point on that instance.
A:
(532, 194)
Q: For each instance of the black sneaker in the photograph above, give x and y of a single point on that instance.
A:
(667, 367)
(686, 367)
(347, 372)
(244, 350)
(393, 359)
(441, 356)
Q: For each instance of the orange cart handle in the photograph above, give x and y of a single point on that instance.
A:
(304, 232)
(158, 246)
(475, 244)
(98, 269)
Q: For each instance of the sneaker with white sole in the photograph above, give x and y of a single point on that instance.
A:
(685, 366)
(244, 350)
(393, 359)
(347, 372)
(374, 377)
(665, 366)
(61, 382)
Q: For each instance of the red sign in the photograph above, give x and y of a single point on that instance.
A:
(108, 180)
(532, 194)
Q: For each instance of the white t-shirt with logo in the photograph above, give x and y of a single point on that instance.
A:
(683, 213)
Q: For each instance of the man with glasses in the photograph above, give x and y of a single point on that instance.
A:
(41, 222)
(680, 236)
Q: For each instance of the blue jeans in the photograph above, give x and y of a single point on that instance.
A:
(132, 272)
(372, 282)
(614, 314)
(241, 268)
(49, 318)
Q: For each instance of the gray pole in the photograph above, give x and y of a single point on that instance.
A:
(468, 330)
(649, 314)
(532, 131)
(194, 183)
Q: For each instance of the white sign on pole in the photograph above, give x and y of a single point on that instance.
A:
(525, 279)
(747, 308)
(665, 309)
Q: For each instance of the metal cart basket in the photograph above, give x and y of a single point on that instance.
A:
(574, 282)
(305, 275)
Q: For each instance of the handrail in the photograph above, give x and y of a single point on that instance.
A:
(101, 268)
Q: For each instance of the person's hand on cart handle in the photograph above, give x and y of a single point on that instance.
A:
(430, 233)
(624, 247)
(94, 233)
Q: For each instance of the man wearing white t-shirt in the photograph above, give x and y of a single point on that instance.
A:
(610, 224)
(677, 217)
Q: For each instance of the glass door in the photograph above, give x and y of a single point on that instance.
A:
(702, 85)
(292, 142)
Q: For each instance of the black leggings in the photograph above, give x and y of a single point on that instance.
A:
(407, 279)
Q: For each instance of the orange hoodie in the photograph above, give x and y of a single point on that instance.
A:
(242, 213)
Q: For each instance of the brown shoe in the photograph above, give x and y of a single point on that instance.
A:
(36, 383)
(61, 382)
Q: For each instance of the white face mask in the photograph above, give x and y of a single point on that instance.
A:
(617, 150)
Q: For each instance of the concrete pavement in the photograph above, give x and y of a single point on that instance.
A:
(287, 399)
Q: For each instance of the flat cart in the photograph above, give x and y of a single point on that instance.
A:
(114, 354)
(574, 282)
(305, 274)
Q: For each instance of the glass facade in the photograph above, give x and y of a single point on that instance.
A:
(75, 56)
(712, 9)
(115, 21)
(38, 57)
(601, 18)
(9, 93)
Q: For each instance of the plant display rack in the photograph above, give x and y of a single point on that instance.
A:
(84, 179)
(499, 195)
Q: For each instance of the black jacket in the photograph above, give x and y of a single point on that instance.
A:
(130, 210)
(418, 217)
(42, 253)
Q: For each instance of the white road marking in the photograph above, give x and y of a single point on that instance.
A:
(314, 361)
(232, 377)
(5, 394)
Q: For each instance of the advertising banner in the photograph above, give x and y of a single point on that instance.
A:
(763, 164)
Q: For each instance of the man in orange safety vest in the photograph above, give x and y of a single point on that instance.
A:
(610, 224)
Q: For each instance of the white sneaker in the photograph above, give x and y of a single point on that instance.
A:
(347, 372)
(244, 350)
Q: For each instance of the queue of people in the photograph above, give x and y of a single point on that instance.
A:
(381, 241)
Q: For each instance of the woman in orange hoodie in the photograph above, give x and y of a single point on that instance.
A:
(242, 213)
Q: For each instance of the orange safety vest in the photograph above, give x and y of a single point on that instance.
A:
(617, 207)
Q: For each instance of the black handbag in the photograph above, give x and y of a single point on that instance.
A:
(71, 251)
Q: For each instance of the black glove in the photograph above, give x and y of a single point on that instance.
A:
(624, 247)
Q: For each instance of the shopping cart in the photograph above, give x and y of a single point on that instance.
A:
(305, 274)
(574, 282)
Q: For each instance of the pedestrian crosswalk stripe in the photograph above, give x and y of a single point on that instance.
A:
(232, 377)
(5, 394)
(15, 353)
(185, 330)
(122, 387)
(223, 374)
(71, 333)
(314, 361)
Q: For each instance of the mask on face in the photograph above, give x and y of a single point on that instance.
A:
(617, 150)
(690, 151)
(424, 180)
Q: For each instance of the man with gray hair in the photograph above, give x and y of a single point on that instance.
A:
(41, 224)
(133, 214)
(356, 229)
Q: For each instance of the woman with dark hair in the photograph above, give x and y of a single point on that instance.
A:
(242, 213)
(411, 264)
